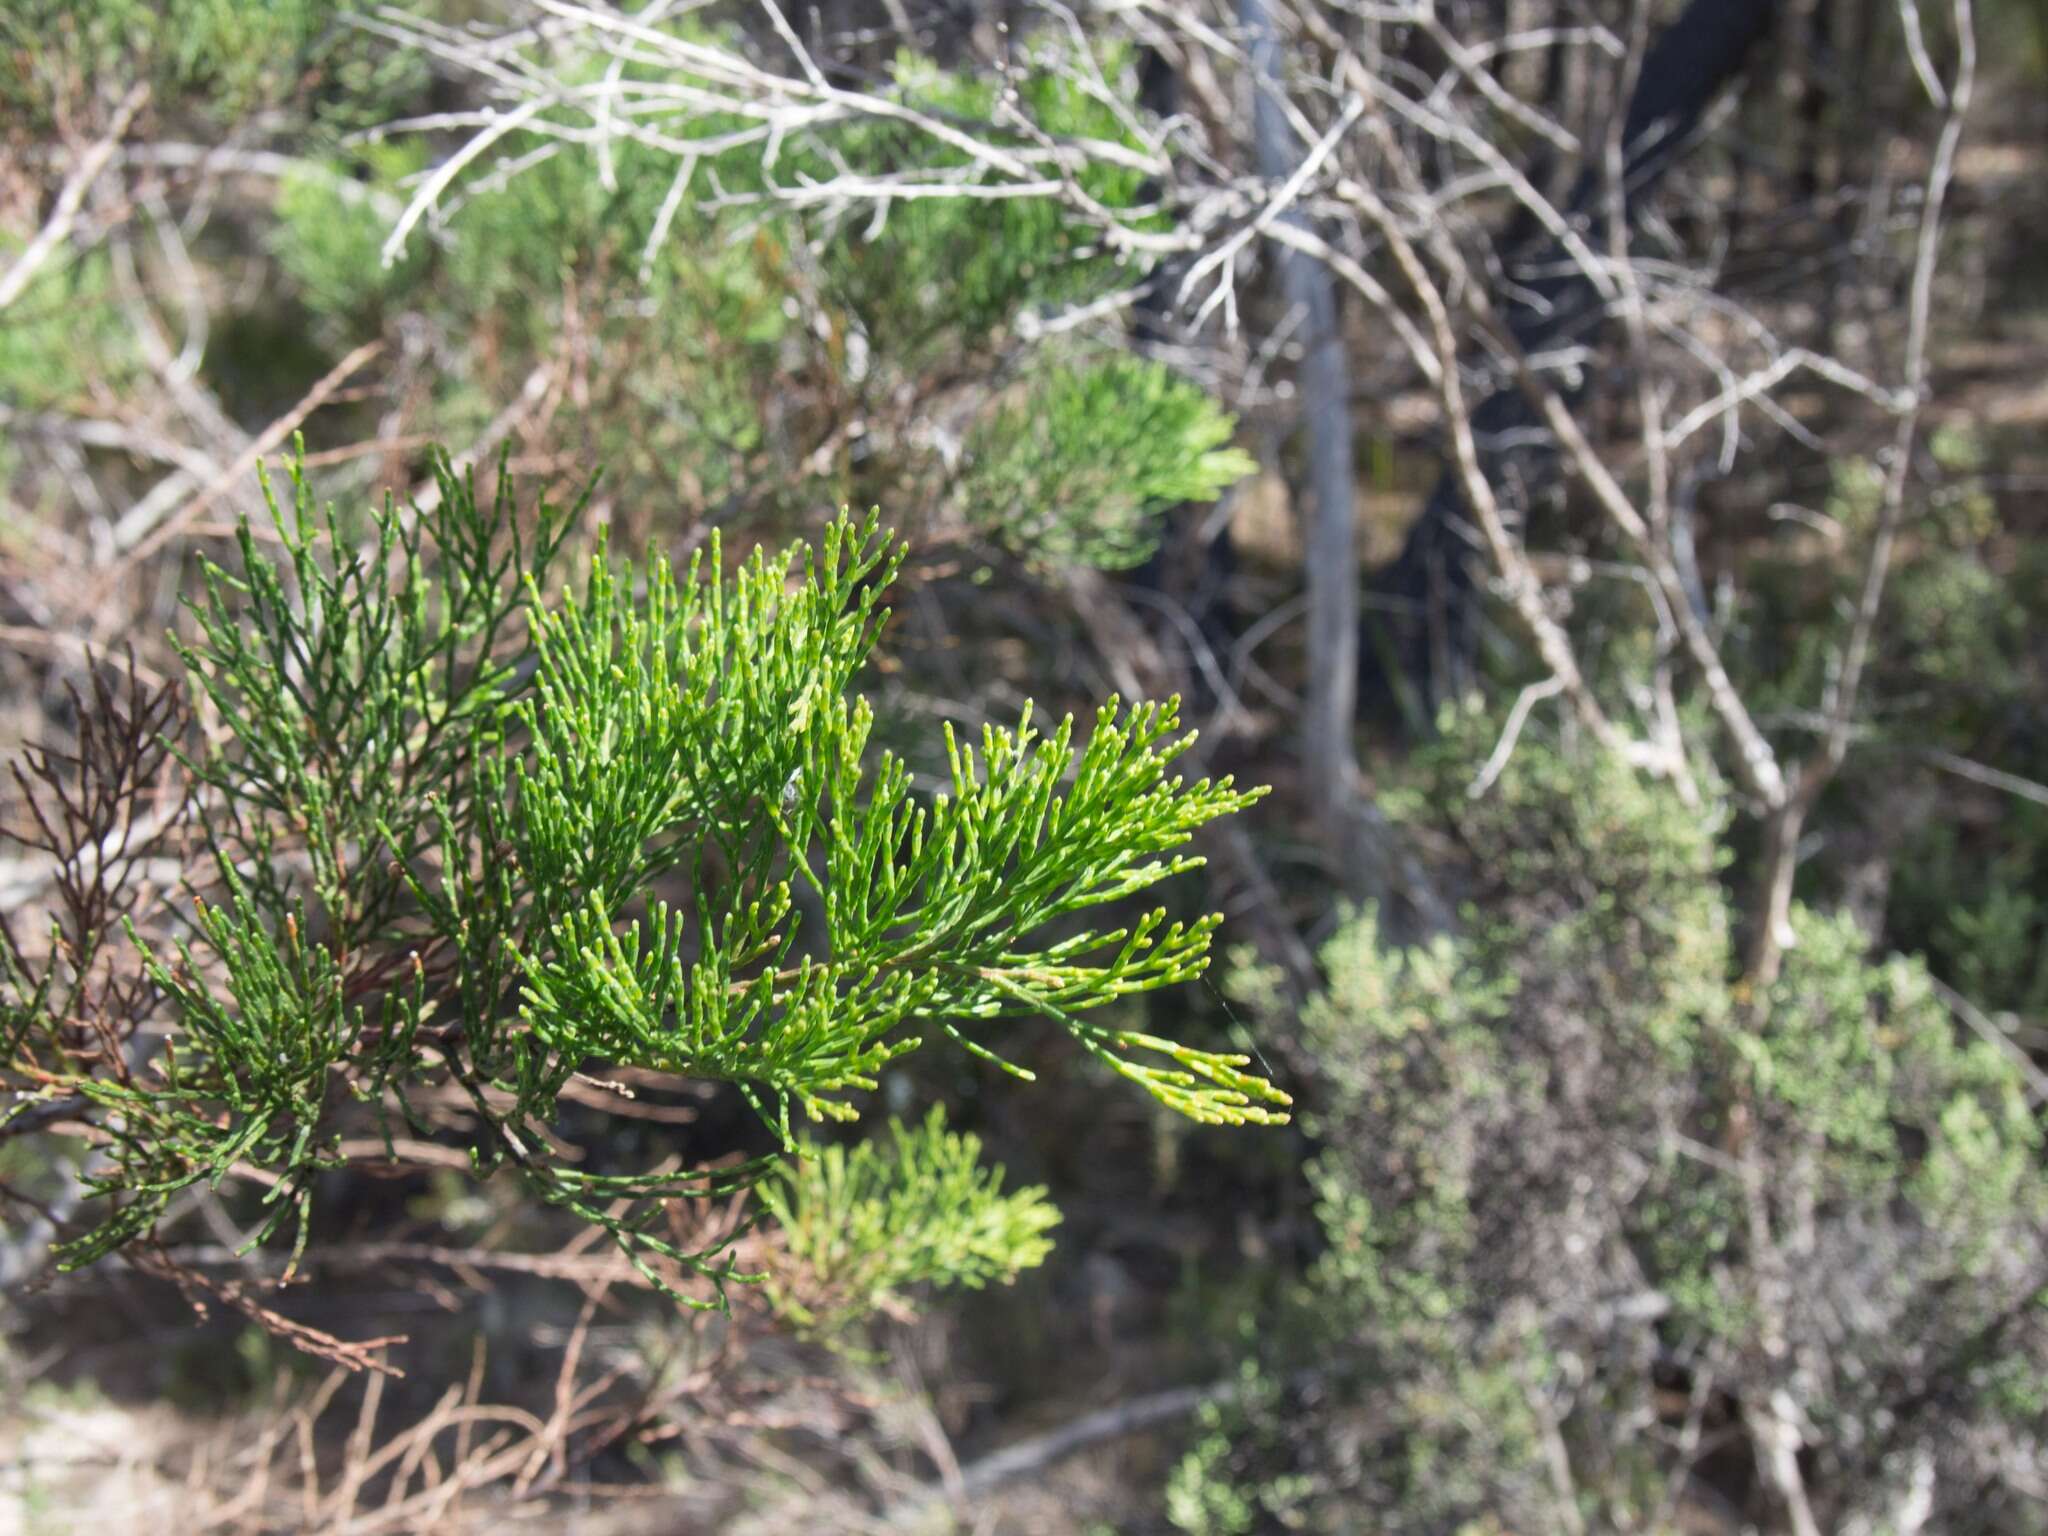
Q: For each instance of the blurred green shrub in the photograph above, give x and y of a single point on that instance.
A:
(1570, 1165)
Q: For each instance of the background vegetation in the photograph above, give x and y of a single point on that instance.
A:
(461, 950)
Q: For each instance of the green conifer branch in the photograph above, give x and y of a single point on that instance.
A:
(530, 856)
(860, 1227)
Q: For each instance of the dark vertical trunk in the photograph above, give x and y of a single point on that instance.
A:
(1556, 92)
(1816, 91)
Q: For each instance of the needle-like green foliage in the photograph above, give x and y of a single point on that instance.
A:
(861, 1227)
(706, 726)
(456, 854)
(1080, 464)
(357, 683)
(246, 1078)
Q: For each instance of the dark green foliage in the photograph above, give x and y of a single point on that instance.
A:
(1987, 921)
(686, 361)
(1960, 678)
(363, 686)
(964, 266)
(245, 1079)
(726, 339)
(1963, 653)
(331, 223)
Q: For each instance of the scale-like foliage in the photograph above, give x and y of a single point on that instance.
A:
(941, 267)
(780, 353)
(707, 724)
(246, 1076)
(360, 686)
(1080, 467)
(453, 854)
(860, 1228)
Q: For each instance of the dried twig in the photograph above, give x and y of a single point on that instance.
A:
(70, 198)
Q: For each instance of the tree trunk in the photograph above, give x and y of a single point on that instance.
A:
(1325, 392)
